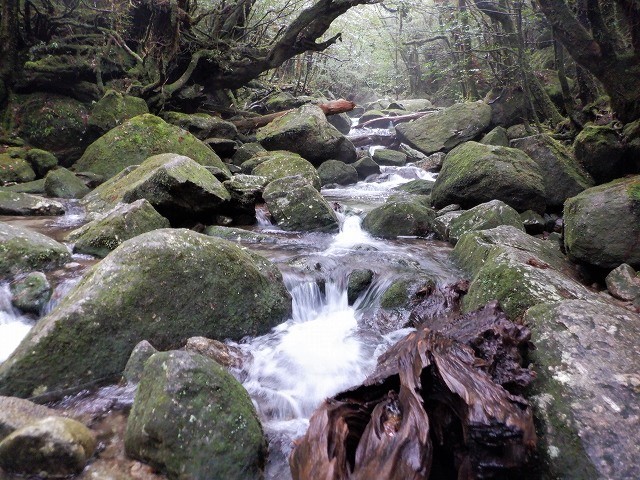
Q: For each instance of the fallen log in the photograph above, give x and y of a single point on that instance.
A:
(383, 122)
(430, 410)
(372, 139)
(330, 108)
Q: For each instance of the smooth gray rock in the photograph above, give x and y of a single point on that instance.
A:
(623, 282)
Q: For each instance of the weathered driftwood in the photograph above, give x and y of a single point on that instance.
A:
(372, 139)
(383, 122)
(430, 410)
(330, 108)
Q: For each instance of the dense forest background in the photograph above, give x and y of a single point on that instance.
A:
(552, 59)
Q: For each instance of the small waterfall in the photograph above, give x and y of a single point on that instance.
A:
(262, 217)
(13, 326)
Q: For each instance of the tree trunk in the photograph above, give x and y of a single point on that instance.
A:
(617, 71)
(9, 40)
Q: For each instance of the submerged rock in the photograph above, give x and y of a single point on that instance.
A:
(474, 173)
(192, 419)
(139, 138)
(602, 224)
(125, 221)
(586, 394)
(51, 447)
(176, 186)
(447, 128)
(296, 205)
(399, 218)
(14, 203)
(162, 286)
(357, 282)
(307, 132)
(23, 250)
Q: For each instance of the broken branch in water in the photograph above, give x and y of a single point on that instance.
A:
(430, 408)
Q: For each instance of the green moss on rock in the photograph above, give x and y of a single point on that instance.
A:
(280, 164)
(139, 138)
(15, 170)
(162, 286)
(399, 218)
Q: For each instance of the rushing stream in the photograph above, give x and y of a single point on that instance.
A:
(327, 345)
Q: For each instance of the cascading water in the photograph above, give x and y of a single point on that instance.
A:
(13, 325)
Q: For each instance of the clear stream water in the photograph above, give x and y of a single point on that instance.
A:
(327, 345)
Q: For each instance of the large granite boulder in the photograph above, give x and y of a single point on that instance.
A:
(388, 157)
(202, 125)
(518, 270)
(365, 166)
(483, 217)
(280, 164)
(563, 176)
(245, 191)
(341, 121)
(474, 173)
(586, 393)
(443, 130)
(193, 420)
(139, 138)
(54, 123)
(337, 172)
(112, 110)
(63, 183)
(296, 205)
(15, 203)
(54, 447)
(402, 217)
(176, 186)
(31, 292)
(162, 286)
(23, 250)
(125, 221)
(307, 132)
(601, 152)
(602, 224)
(15, 169)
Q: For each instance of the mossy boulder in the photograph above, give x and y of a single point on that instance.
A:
(63, 183)
(399, 218)
(442, 223)
(50, 122)
(193, 420)
(482, 217)
(31, 292)
(393, 158)
(518, 270)
(35, 187)
(23, 250)
(474, 173)
(53, 447)
(125, 221)
(307, 132)
(179, 188)
(417, 187)
(600, 150)
(245, 152)
(586, 392)
(497, 136)
(297, 205)
(506, 106)
(371, 114)
(279, 164)
(337, 172)
(357, 282)
(202, 125)
(341, 121)
(16, 413)
(602, 224)
(447, 128)
(139, 138)
(112, 110)
(135, 365)
(16, 203)
(366, 166)
(238, 235)
(41, 161)
(245, 191)
(15, 170)
(217, 290)
(563, 176)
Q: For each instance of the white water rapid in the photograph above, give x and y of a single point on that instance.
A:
(13, 325)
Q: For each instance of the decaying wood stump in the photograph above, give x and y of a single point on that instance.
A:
(433, 408)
